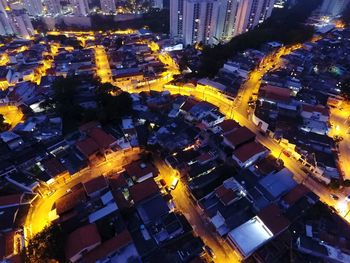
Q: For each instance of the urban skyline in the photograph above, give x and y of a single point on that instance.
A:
(176, 131)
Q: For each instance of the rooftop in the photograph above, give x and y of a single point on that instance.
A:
(108, 247)
(273, 219)
(82, 238)
(96, 184)
(87, 147)
(247, 151)
(250, 236)
(143, 190)
(240, 136)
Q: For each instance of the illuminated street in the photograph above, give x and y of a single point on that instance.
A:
(238, 111)
(340, 127)
(185, 204)
(192, 131)
(102, 64)
(38, 216)
(13, 115)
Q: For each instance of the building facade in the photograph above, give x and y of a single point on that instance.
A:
(80, 7)
(53, 7)
(20, 23)
(33, 7)
(5, 27)
(108, 6)
(333, 7)
(157, 4)
(212, 21)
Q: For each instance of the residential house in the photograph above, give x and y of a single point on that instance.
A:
(238, 137)
(140, 171)
(81, 241)
(249, 153)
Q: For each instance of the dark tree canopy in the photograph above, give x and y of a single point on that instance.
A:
(46, 246)
(4, 126)
(346, 14)
(113, 102)
(285, 25)
(345, 88)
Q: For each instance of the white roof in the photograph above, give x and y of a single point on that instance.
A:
(110, 208)
(107, 197)
(250, 236)
(211, 83)
(9, 136)
(127, 123)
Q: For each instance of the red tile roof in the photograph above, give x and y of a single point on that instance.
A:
(143, 190)
(120, 199)
(246, 151)
(7, 200)
(225, 195)
(295, 194)
(125, 75)
(15, 259)
(87, 147)
(139, 169)
(316, 108)
(205, 157)
(88, 126)
(82, 238)
(69, 201)
(269, 89)
(188, 104)
(6, 244)
(117, 181)
(96, 184)
(103, 139)
(276, 93)
(108, 247)
(240, 136)
(53, 167)
(228, 126)
(273, 219)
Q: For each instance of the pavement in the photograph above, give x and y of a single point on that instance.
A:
(12, 114)
(237, 110)
(38, 216)
(187, 206)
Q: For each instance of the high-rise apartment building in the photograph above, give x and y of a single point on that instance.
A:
(53, 7)
(209, 21)
(226, 19)
(20, 23)
(80, 7)
(108, 6)
(333, 7)
(5, 27)
(194, 21)
(33, 7)
(177, 19)
(200, 21)
(157, 4)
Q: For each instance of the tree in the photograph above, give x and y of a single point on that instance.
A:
(346, 15)
(65, 91)
(46, 246)
(285, 25)
(346, 183)
(4, 126)
(113, 103)
(183, 63)
(334, 184)
(345, 88)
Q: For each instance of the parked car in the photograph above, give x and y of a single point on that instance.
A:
(174, 184)
(334, 197)
(209, 251)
